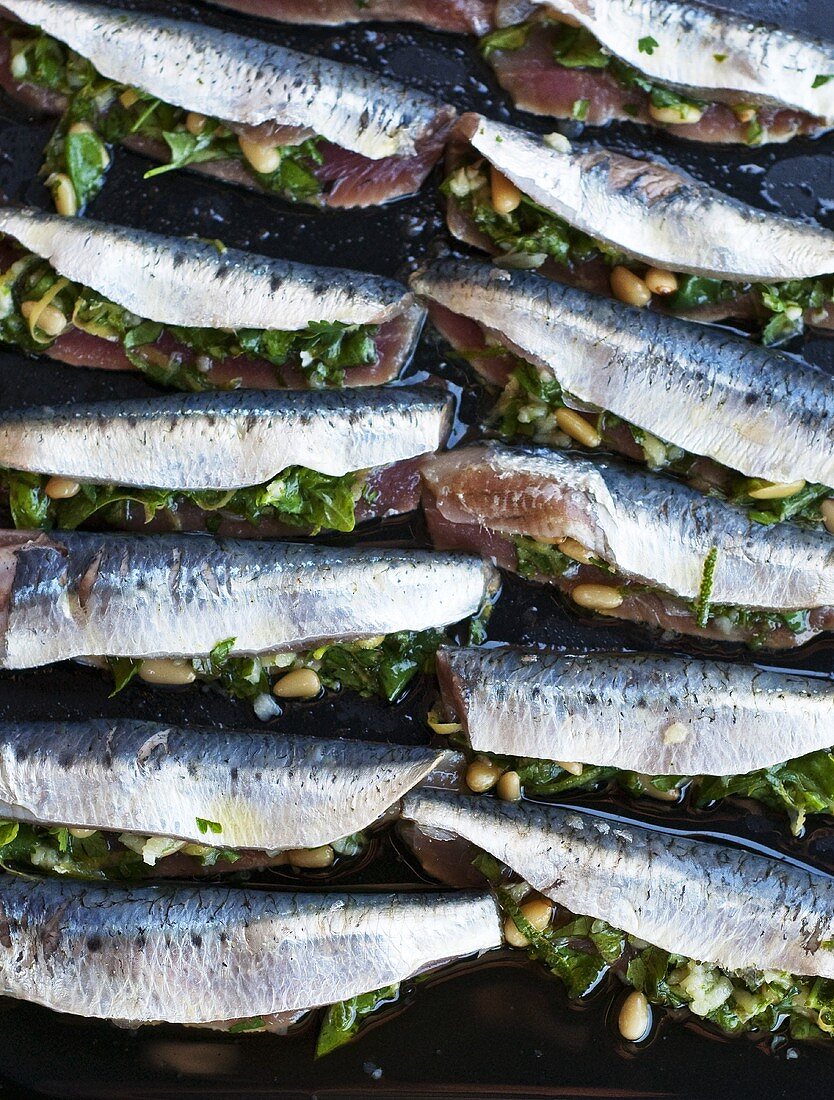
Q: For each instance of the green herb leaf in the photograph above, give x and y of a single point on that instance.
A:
(579, 111)
(206, 826)
(507, 38)
(820, 80)
(343, 1020)
(647, 45)
(123, 670)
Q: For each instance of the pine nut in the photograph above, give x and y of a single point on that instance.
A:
(577, 427)
(61, 488)
(63, 194)
(597, 597)
(195, 123)
(557, 142)
(170, 671)
(576, 551)
(777, 490)
(506, 197)
(661, 282)
(128, 97)
(685, 114)
(537, 912)
(513, 935)
(509, 787)
(82, 834)
(827, 511)
(301, 683)
(628, 287)
(312, 857)
(745, 114)
(482, 775)
(635, 1017)
(571, 767)
(51, 320)
(263, 158)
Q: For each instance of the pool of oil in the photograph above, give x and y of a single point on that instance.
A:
(500, 1027)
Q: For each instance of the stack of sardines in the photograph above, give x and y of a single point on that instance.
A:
(250, 525)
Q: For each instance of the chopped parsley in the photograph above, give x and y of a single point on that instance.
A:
(647, 45)
(298, 497)
(701, 606)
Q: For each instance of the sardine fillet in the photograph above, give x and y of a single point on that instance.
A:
(713, 53)
(226, 440)
(92, 595)
(265, 791)
(193, 955)
(652, 212)
(648, 527)
(192, 283)
(241, 80)
(714, 904)
(652, 714)
(711, 394)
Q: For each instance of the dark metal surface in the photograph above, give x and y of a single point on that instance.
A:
(502, 1027)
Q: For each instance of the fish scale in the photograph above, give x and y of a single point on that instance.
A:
(193, 955)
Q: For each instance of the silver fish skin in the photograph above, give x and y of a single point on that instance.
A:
(709, 393)
(188, 282)
(648, 527)
(86, 595)
(711, 903)
(241, 80)
(652, 714)
(716, 54)
(267, 792)
(654, 213)
(193, 955)
(226, 440)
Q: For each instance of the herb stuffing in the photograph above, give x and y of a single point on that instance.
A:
(582, 952)
(343, 1020)
(383, 666)
(99, 112)
(298, 497)
(170, 355)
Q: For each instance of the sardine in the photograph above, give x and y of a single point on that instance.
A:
(249, 84)
(226, 440)
(729, 70)
(469, 16)
(265, 791)
(749, 409)
(78, 594)
(192, 284)
(208, 954)
(625, 526)
(200, 284)
(652, 213)
(711, 903)
(652, 714)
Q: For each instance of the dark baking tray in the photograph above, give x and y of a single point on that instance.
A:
(501, 1027)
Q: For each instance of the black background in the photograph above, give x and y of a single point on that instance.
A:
(501, 1027)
